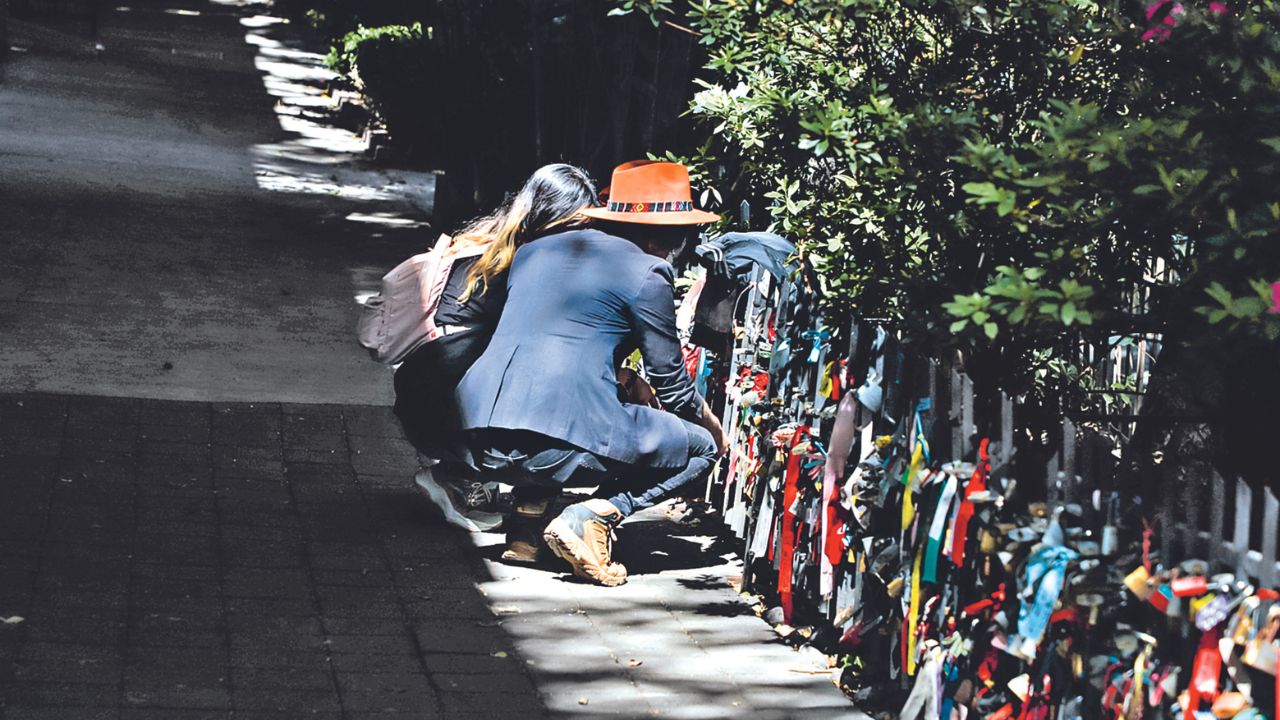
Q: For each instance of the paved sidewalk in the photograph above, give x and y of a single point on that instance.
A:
(183, 560)
(180, 218)
(676, 641)
(191, 561)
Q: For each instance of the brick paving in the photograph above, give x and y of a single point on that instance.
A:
(183, 561)
(196, 561)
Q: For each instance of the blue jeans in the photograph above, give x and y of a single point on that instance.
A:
(644, 487)
(528, 461)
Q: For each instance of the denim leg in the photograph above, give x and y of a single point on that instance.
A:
(649, 486)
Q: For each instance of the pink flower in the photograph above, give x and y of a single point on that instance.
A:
(1159, 5)
(1217, 8)
(1165, 10)
(1275, 299)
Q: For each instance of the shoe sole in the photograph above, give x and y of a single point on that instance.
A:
(522, 553)
(569, 547)
(439, 497)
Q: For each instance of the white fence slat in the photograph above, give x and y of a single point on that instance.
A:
(1069, 452)
(953, 411)
(1217, 515)
(1270, 519)
(1240, 538)
(1006, 429)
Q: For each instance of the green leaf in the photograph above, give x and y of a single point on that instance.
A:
(990, 329)
(1146, 189)
(1248, 307)
(1068, 312)
(1007, 204)
(982, 191)
(958, 325)
(1219, 293)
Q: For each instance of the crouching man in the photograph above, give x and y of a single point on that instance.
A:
(543, 400)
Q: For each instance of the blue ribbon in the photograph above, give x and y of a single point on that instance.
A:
(1046, 571)
(818, 337)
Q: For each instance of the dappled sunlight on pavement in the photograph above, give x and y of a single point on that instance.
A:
(316, 156)
(674, 641)
(147, 251)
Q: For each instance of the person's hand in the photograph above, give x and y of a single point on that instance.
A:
(637, 390)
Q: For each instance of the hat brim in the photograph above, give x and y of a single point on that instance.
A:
(683, 217)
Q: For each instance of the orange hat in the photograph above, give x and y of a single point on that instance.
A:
(651, 193)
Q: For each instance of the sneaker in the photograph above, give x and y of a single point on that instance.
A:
(524, 527)
(583, 537)
(454, 500)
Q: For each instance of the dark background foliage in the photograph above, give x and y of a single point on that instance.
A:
(486, 90)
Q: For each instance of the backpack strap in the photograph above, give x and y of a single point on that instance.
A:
(434, 277)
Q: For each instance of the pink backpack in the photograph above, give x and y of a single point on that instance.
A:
(403, 316)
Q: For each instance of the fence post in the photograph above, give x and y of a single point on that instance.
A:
(954, 400)
(1240, 538)
(1217, 515)
(1269, 573)
(1006, 430)
(1069, 450)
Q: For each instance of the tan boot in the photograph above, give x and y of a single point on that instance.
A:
(583, 537)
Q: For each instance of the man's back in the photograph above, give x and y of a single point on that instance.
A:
(574, 299)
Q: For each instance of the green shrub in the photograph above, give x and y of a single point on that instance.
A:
(392, 66)
(372, 42)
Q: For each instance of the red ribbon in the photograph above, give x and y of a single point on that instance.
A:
(977, 483)
(1205, 672)
(790, 492)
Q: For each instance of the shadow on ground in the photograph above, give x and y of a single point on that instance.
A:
(184, 560)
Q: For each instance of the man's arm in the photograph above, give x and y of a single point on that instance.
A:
(654, 314)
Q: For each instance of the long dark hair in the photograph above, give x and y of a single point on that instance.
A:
(550, 200)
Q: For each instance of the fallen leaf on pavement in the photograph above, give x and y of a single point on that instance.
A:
(13, 620)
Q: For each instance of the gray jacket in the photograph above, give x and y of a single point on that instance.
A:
(577, 302)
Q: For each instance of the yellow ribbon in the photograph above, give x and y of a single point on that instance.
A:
(913, 617)
(908, 499)
(824, 387)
